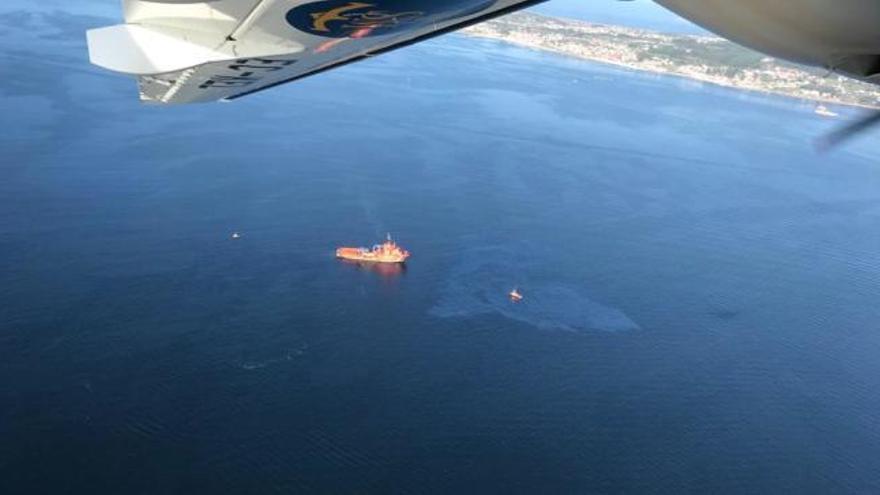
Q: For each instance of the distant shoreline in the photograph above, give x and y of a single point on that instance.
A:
(676, 55)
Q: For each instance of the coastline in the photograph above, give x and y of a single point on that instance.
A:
(570, 38)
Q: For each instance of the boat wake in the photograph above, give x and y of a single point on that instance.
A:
(288, 356)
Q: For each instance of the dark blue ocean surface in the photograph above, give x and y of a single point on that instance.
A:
(701, 311)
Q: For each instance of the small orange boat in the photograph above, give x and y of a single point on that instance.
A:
(387, 252)
(515, 295)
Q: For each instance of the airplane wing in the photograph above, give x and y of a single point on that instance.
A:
(185, 51)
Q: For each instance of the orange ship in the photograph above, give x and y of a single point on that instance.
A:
(387, 252)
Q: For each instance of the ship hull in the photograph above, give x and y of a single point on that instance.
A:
(359, 254)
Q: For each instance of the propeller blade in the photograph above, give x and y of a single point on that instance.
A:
(848, 131)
